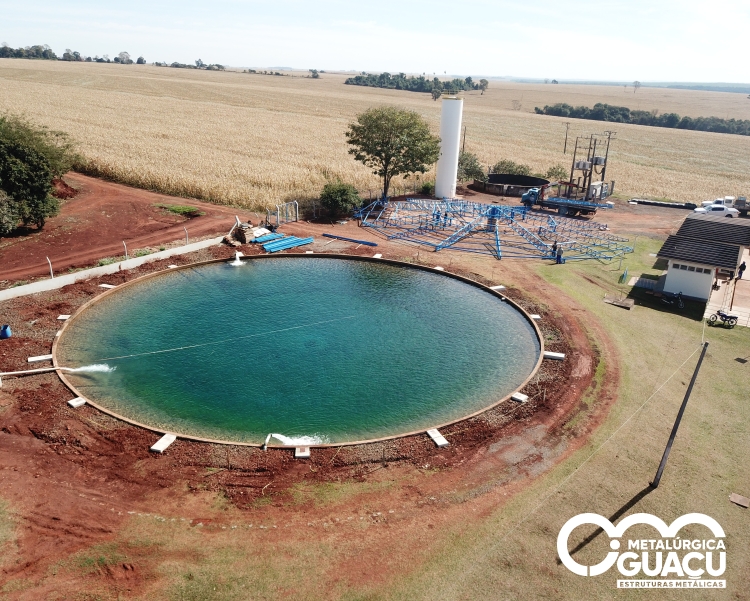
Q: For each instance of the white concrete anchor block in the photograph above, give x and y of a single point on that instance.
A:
(77, 402)
(107, 286)
(40, 358)
(521, 398)
(163, 443)
(377, 256)
(309, 252)
(172, 266)
(500, 287)
(438, 438)
(535, 316)
(302, 452)
(438, 268)
(556, 356)
(63, 317)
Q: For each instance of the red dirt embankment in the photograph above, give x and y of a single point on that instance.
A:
(94, 223)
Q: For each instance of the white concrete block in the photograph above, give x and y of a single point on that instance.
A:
(437, 437)
(535, 316)
(521, 398)
(377, 256)
(556, 356)
(438, 268)
(500, 287)
(171, 266)
(58, 333)
(40, 358)
(302, 452)
(309, 252)
(107, 286)
(163, 443)
(63, 317)
(77, 402)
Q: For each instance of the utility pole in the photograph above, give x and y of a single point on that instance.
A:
(463, 148)
(565, 148)
(662, 465)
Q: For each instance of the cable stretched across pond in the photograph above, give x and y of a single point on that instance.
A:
(192, 346)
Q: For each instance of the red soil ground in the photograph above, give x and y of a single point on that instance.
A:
(72, 476)
(93, 225)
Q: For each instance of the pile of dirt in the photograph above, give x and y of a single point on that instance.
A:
(62, 190)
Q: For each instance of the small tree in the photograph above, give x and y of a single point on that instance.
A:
(338, 198)
(636, 85)
(469, 168)
(392, 142)
(510, 168)
(557, 173)
(436, 93)
(484, 84)
(314, 73)
(26, 177)
(141, 61)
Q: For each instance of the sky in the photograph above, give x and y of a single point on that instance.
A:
(605, 40)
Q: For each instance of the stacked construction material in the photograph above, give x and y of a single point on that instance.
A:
(268, 238)
(285, 243)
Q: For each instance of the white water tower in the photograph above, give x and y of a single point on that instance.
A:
(450, 139)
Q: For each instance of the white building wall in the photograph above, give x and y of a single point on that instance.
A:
(695, 280)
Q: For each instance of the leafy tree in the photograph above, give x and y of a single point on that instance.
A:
(125, 58)
(636, 85)
(9, 216)
(141, 61)
(26, 177)
(436, 93)
(484, 84)
(392, 142)
(314, 73)
(338, 198)
(55, 146)
(469, 168)
(557, 173)
(510, 168)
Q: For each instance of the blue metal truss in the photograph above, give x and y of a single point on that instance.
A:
(496, 230)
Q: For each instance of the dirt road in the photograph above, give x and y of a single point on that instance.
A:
(94, 224)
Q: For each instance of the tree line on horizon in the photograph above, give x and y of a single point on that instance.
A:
(622, 114)
(45, 52)
(416, 84)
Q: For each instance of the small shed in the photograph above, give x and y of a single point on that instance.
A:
(704, 247)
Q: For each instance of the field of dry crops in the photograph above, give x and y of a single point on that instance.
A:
(253, 140)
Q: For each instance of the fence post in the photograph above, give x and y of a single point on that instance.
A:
(126, 249)
(51, 275)
(186, 235)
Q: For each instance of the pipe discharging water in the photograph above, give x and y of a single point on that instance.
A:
(98, 367)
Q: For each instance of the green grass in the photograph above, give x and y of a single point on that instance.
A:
(511, 555)
(184, 210)
(7, 526)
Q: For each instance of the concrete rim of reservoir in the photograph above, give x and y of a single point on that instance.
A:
(402, 264)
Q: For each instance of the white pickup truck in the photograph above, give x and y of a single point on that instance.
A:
(740, 203)
(719, 210)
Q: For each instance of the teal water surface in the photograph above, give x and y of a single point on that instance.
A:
(331, 349)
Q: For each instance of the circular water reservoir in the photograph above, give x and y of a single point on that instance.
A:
(315, 349)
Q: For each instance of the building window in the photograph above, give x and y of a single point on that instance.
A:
(675, 265)
(683, 267)
(691, 268)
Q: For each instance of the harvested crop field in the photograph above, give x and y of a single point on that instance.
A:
(254, 140)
